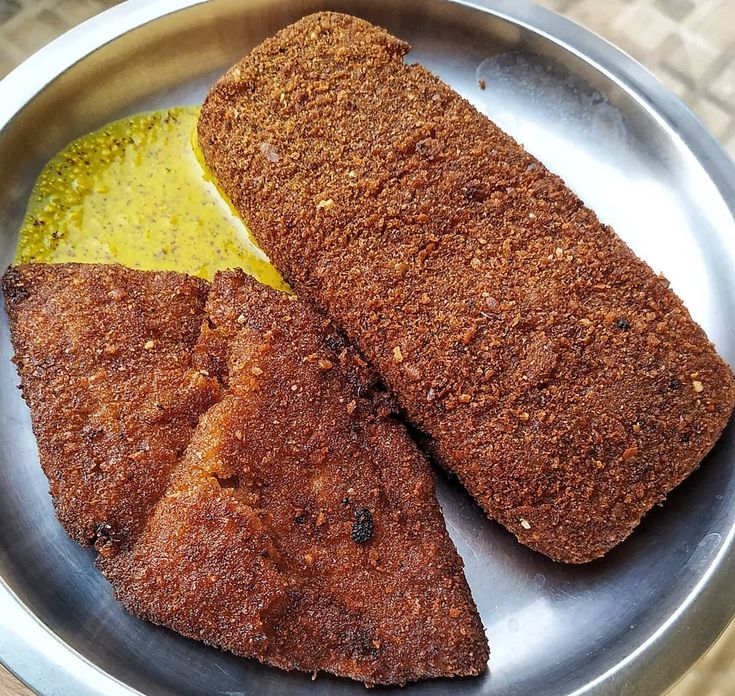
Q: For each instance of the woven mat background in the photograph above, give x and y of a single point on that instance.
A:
(688, 44)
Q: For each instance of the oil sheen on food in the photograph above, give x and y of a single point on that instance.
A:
(136, 193)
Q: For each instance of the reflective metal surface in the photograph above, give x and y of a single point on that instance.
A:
(628, 624)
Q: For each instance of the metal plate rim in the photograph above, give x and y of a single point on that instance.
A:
(38, 657)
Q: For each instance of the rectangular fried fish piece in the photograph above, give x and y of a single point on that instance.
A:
(301, 527)
(559, 377)
(104, 356)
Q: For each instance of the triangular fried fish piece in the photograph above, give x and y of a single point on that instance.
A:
(104, 356)
(301, 526)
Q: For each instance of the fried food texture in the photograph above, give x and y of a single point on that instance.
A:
(104, 356)
(301, 527)
(552, 370)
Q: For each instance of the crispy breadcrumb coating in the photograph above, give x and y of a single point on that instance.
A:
(558, 376)
(104, 356)
(301, 527)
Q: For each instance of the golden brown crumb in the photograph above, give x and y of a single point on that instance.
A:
(321, 527)
(560, 314)
(107, 441)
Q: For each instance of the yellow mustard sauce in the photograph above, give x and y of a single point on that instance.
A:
(136, 192)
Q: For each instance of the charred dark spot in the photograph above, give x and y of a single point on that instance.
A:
(684, 439)
(334, 342)
(362, 527)
(474, 191)
(228, 481)
(345, 501)
(301, 518)
(102, 534)
(358, 642)
(363, 384)
(674, 384)
(622, 323)
(13, 286)
(90, 433)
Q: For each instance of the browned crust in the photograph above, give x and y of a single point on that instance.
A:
(556, 374)
(254, 547)
(111, 411)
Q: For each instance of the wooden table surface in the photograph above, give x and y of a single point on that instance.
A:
(688, 44)
(10, 686)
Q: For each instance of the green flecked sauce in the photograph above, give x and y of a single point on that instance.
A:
(136, 193)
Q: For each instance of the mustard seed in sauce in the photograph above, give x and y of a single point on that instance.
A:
(136, 193)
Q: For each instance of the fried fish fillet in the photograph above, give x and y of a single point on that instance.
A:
(104, 355)
(301, 526)
(554, 372)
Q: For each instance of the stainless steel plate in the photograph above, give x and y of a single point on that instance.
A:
(630, 623)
